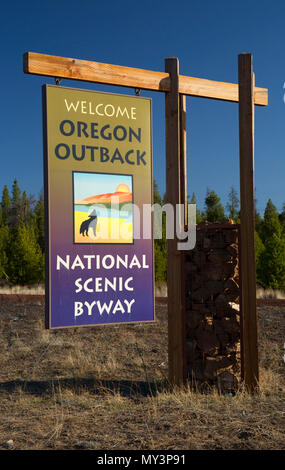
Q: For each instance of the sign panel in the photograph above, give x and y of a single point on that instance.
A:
(98, 177)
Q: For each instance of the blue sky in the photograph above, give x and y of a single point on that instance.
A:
(206, 37)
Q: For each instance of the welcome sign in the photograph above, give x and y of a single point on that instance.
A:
(98, 176)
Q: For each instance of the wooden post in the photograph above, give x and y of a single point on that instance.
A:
(183, 164)
(240, 309)
(184, 201)
(248, 277)
(176, 347)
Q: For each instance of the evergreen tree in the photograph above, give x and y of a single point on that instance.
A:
(233, 204)
(160, 248)
(25, 209)
(5, 206)
(16, 194)
(156, 196)
(257, 217)
(271, 266)
(160, 262)
(4, 241)
(27, 214)
(271, 269)
(259, 249)
(199, 214)
(193, 199)
(15, 211)
(40, 222)
(282, 217)
(214, 211)
(26, 261)
(271, 222)
(258, 223)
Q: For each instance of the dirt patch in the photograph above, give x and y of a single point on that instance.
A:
(106, 388)
(22, 298)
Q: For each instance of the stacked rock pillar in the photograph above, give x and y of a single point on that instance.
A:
(213, 332)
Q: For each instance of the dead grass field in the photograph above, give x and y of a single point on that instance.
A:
(106, 388)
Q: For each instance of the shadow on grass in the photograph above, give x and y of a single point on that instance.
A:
(125, 388)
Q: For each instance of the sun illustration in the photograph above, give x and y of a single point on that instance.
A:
(122, 188)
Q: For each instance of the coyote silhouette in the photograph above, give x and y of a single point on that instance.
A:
(84, 227)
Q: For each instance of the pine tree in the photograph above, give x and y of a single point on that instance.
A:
(214, 210)
(26, 261)
(5, 206)
(192, 199)
(160, 262)
(257, 217)
(156, 196)
(233, 204)
(15, 211)
(199, 214)
(271, 223)
(258, 223)
(271, 266)
(40, 222)
(16, 193)
(272, 263)
(26, 215)
(160, 248)
(282, 217)
(259, 249)
(4, 240)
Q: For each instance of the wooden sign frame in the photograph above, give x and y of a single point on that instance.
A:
(176, 87)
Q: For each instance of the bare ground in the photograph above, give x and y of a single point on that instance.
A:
(106, 388)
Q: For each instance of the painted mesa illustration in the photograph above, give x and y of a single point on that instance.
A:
(102, 208)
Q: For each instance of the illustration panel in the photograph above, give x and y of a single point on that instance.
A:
(102, 208)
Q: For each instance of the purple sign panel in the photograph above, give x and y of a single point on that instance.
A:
(98, 179)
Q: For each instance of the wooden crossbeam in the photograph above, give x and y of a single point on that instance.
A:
(89, 71)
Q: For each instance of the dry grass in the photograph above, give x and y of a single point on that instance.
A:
(106, 388)
(36, 289)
